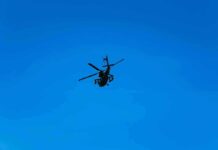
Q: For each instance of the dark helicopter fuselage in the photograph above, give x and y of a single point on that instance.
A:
(103, 77)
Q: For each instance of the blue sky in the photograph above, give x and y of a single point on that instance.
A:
(164, 96)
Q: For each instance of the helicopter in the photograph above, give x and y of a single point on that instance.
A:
(104, 75)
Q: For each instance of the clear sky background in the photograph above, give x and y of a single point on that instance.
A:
(165, 93)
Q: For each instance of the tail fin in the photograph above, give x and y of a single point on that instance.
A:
(106, 60)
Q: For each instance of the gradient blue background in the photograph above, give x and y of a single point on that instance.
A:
(164, 96)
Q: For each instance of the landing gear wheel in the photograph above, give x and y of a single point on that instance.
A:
(111, 78)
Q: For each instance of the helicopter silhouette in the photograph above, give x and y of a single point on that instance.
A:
(104, 75)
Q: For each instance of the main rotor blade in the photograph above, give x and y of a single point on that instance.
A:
(118, 62)
(114, 63)
(88, 76)
(93, 66)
